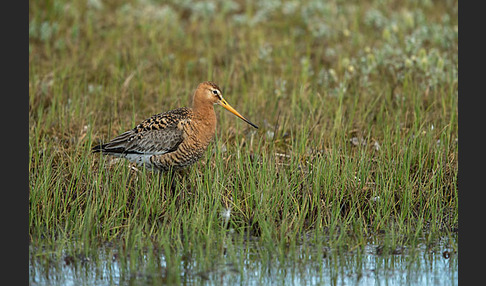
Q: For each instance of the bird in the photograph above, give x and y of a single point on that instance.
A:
(174, 139)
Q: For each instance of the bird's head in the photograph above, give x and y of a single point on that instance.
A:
(209, 92)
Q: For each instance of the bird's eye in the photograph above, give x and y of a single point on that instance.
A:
(215, 92)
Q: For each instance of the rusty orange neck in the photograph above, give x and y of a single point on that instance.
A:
(206, 117)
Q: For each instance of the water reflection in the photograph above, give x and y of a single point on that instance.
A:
(253, 265)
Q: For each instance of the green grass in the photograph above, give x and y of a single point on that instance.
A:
(356, 103)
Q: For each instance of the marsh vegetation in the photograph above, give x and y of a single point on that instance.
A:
(355, 159)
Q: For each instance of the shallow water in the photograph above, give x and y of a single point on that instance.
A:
(255, 265)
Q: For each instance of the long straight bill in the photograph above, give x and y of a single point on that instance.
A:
(225, 104)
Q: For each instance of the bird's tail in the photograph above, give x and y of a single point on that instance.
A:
(98, 148)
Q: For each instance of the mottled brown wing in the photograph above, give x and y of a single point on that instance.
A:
(154, 136)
